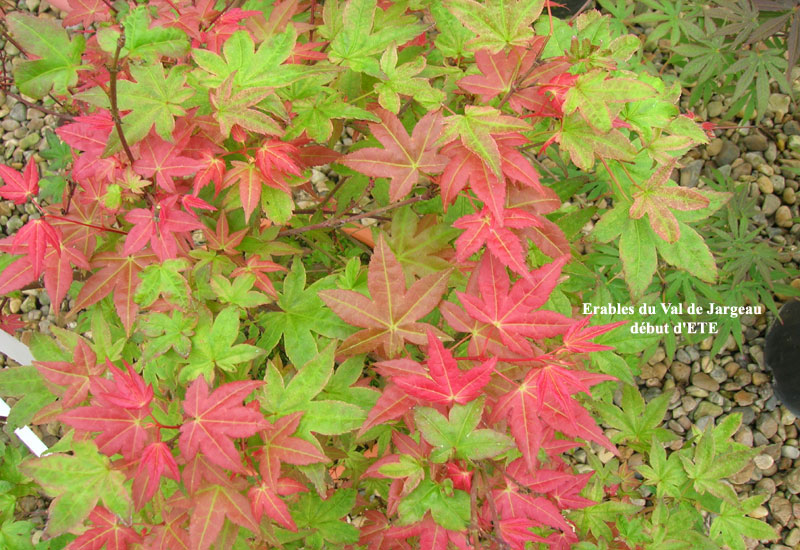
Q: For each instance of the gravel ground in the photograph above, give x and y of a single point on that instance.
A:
(704, 388)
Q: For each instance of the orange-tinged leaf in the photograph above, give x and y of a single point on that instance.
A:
(404, 158)
(390, 316)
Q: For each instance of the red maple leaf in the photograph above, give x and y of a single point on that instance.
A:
(213, 420)
(70, 380)
(280, 446)
(265, 496)
(118, 276)
(165, 161)
(108, 532)
(403, 157)
(129, 390)
(447, 384)
(19, 187)
(276, 159)
(171, 534)
(483, 228)
(390, 317)
(432, 536)
(161, 226)
(260, 268)
(393, 403)
(122, 429)
(222, 239)
(86, 12)
(213, 504)
(512, 311)
(578, 337)
(156, 461)
(250, 179)
(36, 237)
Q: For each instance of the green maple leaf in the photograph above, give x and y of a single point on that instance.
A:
(449, 508)
(357, 39)
(154, 99)
(666, 474)
(731, 525)
(251, 67)
(314, 115)
(27, 385)
(638, 424)
(163, 279)
(303, 313)
(457, 434)
(656, 197)
(637, 249)
(213, 346)
(498, 23)
(142, 41)
(400, 81)
(323, 519)
(304, 393)
(237, 108)
(594, 95)
(420, 243)
(475, 128)
(239, 291)
(167, 332)
(59, 57)
(584, 143)
(78, 482)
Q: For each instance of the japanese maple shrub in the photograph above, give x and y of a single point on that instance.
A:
(219, 391)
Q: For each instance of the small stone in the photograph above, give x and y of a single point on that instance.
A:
(760, 378)
(781, 509)
(707, 408)
(727, 154)
(29, 141)
(14, 223)
(792, 128)
(18, 112)
(680, 371)
(771, 154)
(792, 481)
(714, 147)
(755, 142)
(744, 435)
(765, 185)
(9, 124)
(28, 304)
(714, 109)
(793, 538)
(14, 305)
(690, 174)
(787, 417)
(793, 143)
(759, 512)
(694, 391)
(779, 104)
(683, 356)
(748, 415)
(705, 382)
(743, 475)
(789, 196)
(770, 205)
(763, 461)
(744, 398)
(778, 183)
(790, 451)
(783, 217)
(767, 425)
(765, 487)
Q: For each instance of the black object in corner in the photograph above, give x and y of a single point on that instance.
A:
(569, 9)
(782, 354)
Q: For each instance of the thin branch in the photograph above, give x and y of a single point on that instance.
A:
(112, 97)
(329, 224)
(110, 6)
(7, 36)
(577, 13)
(38, 107)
